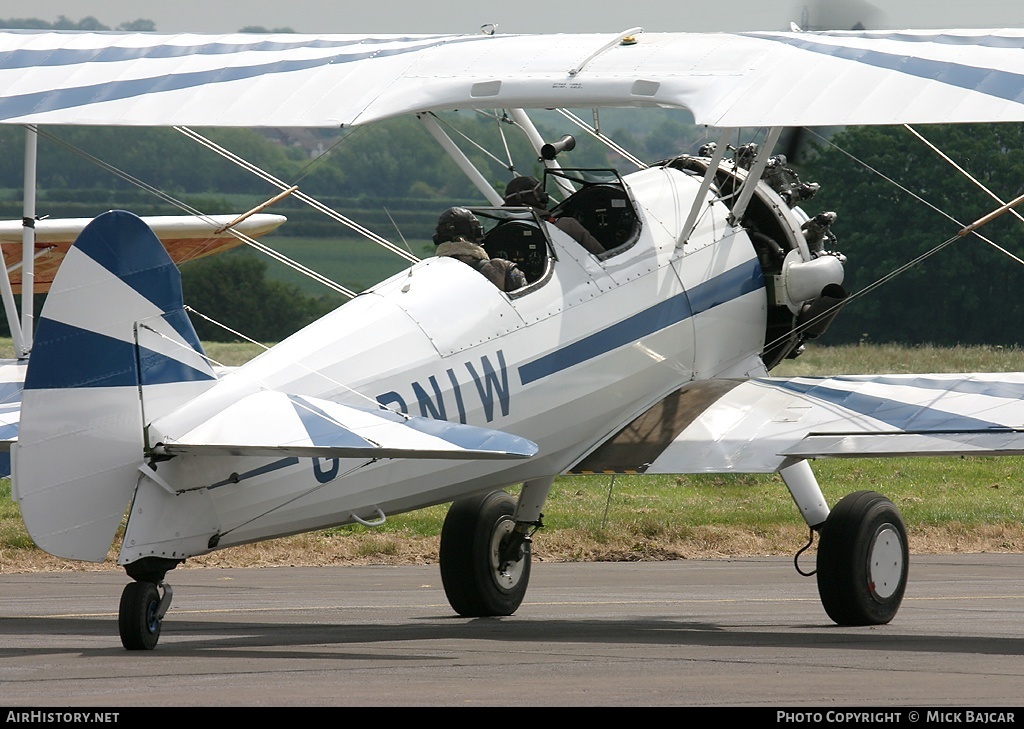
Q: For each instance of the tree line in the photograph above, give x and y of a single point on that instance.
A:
(897, 200)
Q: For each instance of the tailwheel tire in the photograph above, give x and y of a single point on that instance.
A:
(863, 560)
(136, 620)
(475, 580)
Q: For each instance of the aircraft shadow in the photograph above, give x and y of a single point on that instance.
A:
(222, 638)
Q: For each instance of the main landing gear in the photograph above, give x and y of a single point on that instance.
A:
(485, 556)
(863, 556)
(863, 560)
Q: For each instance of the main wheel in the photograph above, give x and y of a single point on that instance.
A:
(136, 619)
(476, 581)
(863, 560)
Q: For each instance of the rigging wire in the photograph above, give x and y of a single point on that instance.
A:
(975, 181)
(504, 119)
(863, 292)
(297, 363)
(185, 207)
(601, 137)
(321, 158)
(300, 495)
(965, 230)
(913, 194)
(479, 147)
(281, 185)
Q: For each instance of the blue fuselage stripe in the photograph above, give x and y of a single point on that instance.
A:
(269, 468)
(723, 288)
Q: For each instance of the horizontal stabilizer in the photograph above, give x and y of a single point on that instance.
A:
(272, 423)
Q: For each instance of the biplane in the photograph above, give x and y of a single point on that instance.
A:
(434, 386)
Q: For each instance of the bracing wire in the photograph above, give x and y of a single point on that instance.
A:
(185, 207)
(914, 195)
(298, 364)
(601, 137)
(281, 185)
(964, 231)
(469, 140)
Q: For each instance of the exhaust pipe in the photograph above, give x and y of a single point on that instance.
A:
(819, 313)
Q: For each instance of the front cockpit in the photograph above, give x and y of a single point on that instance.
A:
(602, 205)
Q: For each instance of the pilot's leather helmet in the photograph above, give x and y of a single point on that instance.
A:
(526, 191)
(458, 223)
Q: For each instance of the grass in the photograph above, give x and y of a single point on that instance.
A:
(949, 504)
(353, 262)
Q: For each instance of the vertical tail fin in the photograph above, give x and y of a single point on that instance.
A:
(113, 349)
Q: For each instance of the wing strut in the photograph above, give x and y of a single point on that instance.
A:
(468, 168)
(22, 334)
(705, 185)
(28, 241)
(525, 123)
(756, 170)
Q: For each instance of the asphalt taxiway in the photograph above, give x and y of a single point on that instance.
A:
(729, 632)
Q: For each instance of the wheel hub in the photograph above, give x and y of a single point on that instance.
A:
(506, 575)
(885, 563)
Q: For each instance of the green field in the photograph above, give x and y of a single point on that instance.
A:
(949, 504)
(354, 263)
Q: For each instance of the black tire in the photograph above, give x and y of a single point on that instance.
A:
(136, 619)
(474, 530)
(863, 560)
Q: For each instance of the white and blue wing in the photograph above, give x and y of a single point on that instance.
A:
(755, 426)
(725, 79)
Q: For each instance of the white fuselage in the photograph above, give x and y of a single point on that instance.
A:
(565, 365)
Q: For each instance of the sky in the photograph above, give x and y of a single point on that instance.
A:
(525, 16)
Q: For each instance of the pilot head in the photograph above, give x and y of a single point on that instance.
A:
(526, 192)
(458, 223)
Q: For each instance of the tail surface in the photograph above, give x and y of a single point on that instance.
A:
(113, 349)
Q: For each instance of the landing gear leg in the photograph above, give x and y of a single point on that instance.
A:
(141, 614)
(863, 560)
(485, 555)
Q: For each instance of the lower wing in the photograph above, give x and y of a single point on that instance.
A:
(755, 426)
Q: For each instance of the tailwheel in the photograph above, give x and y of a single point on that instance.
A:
(863, 560)
(485, 560)
(139, 617)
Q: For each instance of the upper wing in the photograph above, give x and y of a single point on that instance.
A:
(754, 426)
(725, 79)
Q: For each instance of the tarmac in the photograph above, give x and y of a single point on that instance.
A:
(727, 632)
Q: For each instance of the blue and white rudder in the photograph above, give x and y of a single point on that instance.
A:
(113, 350)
